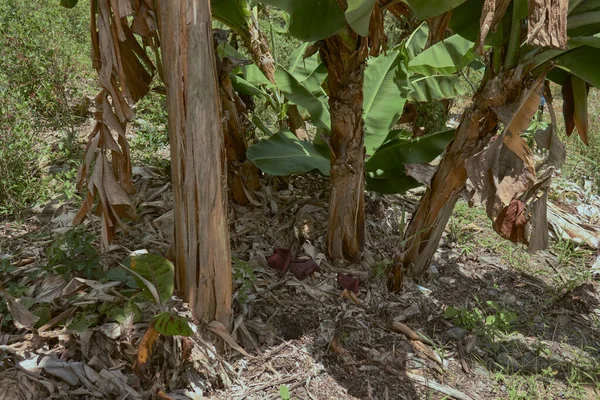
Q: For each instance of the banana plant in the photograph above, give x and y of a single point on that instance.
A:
(406, 73)
(524, 48)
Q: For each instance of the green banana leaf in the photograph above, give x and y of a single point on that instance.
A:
(445, 57)
(417, 40)
(302, 96)
(433, 88)
(358, 15)
(302, 67)
(284, 154)
(582, 62)
(233, 13)
(398, 184)
(311, 20)
(424, 9)
(389, 161)
(385, 91)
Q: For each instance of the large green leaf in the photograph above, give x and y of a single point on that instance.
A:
(585, 6)
(68, 3)
(424, 9)
(417, 40)
(284, 154)
(358, 15)
(301, 67)
(392, 185)
(170, 324)
(432, 88)
(311, 20)
(385, 92)
(445, 57)
(582, 62)
(299, 94)
(389, 161)
(157, 270)
(233, 13)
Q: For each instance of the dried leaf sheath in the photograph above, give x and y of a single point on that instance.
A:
(125, 72)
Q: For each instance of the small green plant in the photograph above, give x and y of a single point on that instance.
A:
(74, 254)
(489, 320)
(284, 392)
(244, 278)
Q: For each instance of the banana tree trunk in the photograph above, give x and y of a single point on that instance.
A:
(201, 245)
(346, 228)
(242, 175)
(478, 125)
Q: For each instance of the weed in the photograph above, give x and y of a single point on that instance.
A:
(488, 320)
(243, 276)
(73, 254)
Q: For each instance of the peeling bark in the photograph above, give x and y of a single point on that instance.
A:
(346, 228)
(201, 244)
(235, 126)
(478, 125)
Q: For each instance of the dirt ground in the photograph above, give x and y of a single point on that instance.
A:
(490, 321)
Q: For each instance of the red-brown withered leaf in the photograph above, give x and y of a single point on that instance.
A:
(280, 260)
(348, 283)
(302, 269)
(511, 221)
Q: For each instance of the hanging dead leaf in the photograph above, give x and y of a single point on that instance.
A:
(548, 139)
(437, 28)
(539, 224)
(547, 23)
(580, 111)
(511, 221)
(568, 106)
(145, 351)
(491, 16)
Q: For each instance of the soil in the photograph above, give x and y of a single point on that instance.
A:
(311, 336)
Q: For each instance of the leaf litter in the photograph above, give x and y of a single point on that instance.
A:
(331, 330)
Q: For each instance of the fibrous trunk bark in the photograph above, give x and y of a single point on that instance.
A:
(346, 228)
(202, 253)
(242, 175)
(478, 125)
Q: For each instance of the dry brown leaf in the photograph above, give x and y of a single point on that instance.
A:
(22, 317)
(491, 16)
(145, 351)
(547, 23)
(220, 330)
(539, 224)
(511, 221)
(580, 112)
(437, 28)
(568, 106)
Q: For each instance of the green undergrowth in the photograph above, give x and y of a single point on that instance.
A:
(45, 72)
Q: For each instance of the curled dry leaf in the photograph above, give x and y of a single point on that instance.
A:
(280, 260)
(22, 317)
(145, 351)
(511, 221)
(302, 269)
(348, 283)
